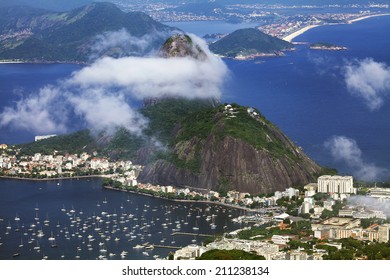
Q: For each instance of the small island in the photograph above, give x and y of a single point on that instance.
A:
(327, 47)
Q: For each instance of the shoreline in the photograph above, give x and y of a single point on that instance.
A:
(292, 36)
(184, 200)
(42, 62)
(367, 17)
(129, 191)
(52, 179)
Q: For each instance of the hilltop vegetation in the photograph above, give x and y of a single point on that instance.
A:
(77, 142)
(247, 42)
(211, 147)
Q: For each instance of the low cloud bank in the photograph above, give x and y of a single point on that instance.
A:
(368, 80)
(371, 203)
(346, 150)
(101, 94)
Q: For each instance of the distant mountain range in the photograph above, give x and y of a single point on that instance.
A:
(32, 34)
(248, 42)
(61, 5)
(53, 5)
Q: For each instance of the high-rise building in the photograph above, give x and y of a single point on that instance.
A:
(383, 231)
(336, 184)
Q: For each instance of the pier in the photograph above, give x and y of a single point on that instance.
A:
(192, 233)
(165, 246)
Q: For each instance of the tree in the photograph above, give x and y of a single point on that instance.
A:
(229, 255)
(326, 214)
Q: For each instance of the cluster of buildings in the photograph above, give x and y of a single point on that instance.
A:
(268, 250)
(338, 188)
(342, 227)
(56, 166)
(272, 18)
(383, 193)
(180, 192)
(231, 112)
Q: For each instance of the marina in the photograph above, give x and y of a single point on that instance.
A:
(81, 220)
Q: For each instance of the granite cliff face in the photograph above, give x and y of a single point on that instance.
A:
(224, 158)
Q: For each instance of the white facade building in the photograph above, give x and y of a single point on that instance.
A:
(336, 184)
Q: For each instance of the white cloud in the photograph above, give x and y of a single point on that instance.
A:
(371, 203)
(368, 80)
(41, 113)
(156, 77)
(99, 94)
(347, 150)
(122, 43)
(107, 112)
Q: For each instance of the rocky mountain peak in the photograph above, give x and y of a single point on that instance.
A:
(182, 45)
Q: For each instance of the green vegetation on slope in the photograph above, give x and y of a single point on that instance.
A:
(258, 132)
(77, 142)
(178, 122)
(69, 36)
(123, 145)
(248, 41)
(229, 255)
(168, 113)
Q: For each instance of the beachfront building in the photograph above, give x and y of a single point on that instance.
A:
(336, 184)
(380, 192)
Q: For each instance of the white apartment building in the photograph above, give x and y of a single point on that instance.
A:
(380, 192)
(336, 184)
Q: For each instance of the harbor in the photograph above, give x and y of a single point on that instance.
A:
(78, 219)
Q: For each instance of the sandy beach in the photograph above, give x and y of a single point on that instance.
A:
(290, 37)
(366, 17)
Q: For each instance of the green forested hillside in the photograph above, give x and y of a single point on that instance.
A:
(37, 35)
(248, 41)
